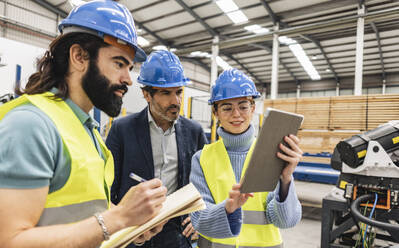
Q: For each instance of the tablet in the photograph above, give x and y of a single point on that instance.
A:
(264, 168)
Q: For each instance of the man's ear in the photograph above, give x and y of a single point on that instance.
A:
(147, 95)
(78, 58)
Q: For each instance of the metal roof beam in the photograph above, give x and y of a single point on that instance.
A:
(269, 10)
(196, 17)
(195, 61)
(230, 56)
(317, 43)
(377, 34)
(51, 8)
(149, 5)
(264, 19)
(161, 40)
(276, 20)
(280, 61)
(203, 19)
(61, 3)
(214, 33)
(344, 22)
(176, 12)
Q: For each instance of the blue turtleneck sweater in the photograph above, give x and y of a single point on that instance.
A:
(214, 220)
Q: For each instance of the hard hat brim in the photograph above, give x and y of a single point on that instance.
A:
(140, 56)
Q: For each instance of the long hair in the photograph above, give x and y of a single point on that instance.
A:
(52, 68)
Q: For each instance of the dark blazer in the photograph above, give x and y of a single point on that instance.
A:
(130, 143)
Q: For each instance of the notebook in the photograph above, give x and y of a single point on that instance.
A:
(264, 168)
(181, 202)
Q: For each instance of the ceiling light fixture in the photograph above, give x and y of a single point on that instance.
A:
(251, 28)
(301, 56)
(142, 41)
(237, 16)
(232, 11)
(261, 31)
(75, 3)
(159, 47)
(220, 62)
(257, 29)
(227, 5)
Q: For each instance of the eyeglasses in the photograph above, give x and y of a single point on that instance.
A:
(243, 108)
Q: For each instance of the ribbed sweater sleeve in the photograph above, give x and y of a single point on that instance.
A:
(214, 220)
(284, 214)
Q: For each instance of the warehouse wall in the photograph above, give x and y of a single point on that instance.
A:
(13, 53)
(27, 22)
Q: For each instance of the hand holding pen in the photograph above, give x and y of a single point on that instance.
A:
(143, 201)
(137, 178)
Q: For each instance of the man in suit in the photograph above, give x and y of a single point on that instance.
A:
(157, 142)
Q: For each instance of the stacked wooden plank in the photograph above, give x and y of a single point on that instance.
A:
(348, 113)
(329, 120)
(381, 109)
(286, 104)
(316, 112)
(318, 141)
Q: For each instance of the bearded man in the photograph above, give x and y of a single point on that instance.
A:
(157, 142)
(55, 170)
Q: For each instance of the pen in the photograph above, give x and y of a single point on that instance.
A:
(136, 177)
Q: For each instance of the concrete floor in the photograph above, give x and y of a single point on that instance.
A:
(307, 233)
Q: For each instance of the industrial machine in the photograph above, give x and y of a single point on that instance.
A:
(5, 98)
(368, 213)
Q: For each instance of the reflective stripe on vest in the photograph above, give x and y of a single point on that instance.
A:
(256, 231)
(204, 243)
(72, 213)
(87, 189)
(255, 217)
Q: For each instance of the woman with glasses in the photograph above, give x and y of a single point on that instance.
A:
(234, 219)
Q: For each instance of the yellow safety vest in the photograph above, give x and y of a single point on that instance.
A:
(219, 176)
(87, 189)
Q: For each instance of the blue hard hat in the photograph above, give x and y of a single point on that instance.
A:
(162, 69)
(233, 83)
(105, 17)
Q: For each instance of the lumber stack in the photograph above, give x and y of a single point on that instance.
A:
(348, 113)
(316, 112)
(318, 141)
(289, 104)
(329, 120)
(381, 109)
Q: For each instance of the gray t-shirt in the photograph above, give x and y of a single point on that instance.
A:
(32, 154)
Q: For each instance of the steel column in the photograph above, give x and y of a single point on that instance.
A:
(214, 66)
(275, 63)
(359, 51)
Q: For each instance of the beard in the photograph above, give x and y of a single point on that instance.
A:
(101, 91)
(163, 112)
